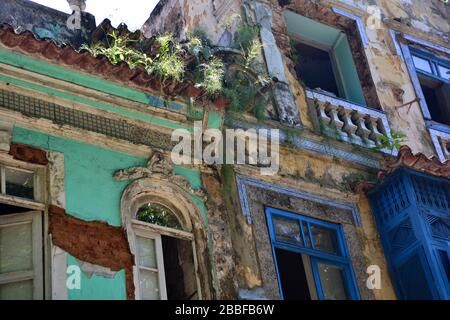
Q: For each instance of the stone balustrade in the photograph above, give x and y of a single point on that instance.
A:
(347, 121)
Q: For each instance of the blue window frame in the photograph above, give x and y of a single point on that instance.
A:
(322, 253)
(430, 65)
(432, 83)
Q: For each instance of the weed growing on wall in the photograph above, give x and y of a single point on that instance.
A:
(392, 143)
(234, 73)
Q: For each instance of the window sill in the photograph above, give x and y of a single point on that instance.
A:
(17, 201)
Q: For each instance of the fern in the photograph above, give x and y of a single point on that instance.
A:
(168, 62)
(213, 72)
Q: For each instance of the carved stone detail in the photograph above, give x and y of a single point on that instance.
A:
(158, 167)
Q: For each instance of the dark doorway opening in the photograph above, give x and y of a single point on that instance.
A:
(181, 280)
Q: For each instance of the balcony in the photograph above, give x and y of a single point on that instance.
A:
(347, 121)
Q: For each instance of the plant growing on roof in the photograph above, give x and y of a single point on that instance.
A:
(119, 50)
(234, 72)
(213, 72)
(168, 61)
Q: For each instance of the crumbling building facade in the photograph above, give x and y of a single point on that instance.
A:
(93, 207)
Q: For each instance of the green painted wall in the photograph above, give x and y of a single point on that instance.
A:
(193, 176)
(72, 76)
(98, 287)
(91, 192)
(95, 104)
(214, 120)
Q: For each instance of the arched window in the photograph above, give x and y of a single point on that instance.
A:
(157, 217)
(158, 214)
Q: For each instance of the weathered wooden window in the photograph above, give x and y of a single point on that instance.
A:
(411, 210)
(22, 238)
(21, 265)
(164, 255)
(150, 265)
(17, 182)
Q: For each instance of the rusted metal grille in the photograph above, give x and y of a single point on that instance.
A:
(60, 115)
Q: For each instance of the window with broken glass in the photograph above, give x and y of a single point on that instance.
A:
(311, 258)
(17, 182)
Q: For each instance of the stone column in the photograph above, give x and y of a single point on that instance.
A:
(284, 99)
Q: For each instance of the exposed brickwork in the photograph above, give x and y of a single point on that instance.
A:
(94, 242)
(321, 13)
(29, 154)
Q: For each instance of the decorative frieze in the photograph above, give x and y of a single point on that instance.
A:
(61, 115)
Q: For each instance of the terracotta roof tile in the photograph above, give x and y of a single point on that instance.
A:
(418, 162)
(83, 61)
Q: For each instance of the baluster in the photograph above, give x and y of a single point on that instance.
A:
(321, 112)
(375, 134)
(363, 132)
(349, 127)
(336, 123)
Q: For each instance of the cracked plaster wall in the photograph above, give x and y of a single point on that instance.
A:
(390, 82)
